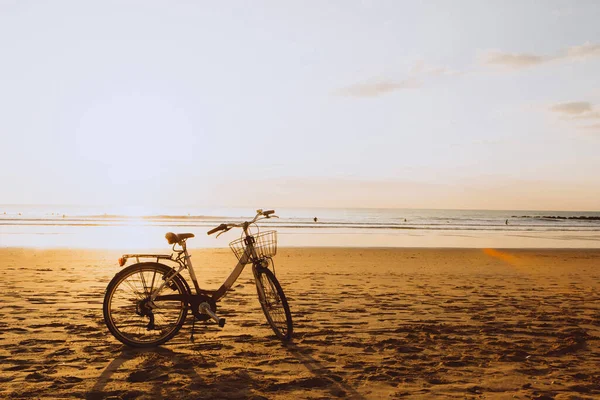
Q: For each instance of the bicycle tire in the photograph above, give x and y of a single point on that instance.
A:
(274, 303)
(118, 303)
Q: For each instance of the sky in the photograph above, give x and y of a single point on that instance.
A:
(438, 104)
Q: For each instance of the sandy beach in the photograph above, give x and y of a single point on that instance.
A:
(369, 324)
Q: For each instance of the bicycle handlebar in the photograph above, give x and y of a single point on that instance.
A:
(259, 213)
(218, 228)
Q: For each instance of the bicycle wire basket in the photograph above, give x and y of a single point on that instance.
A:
(265, 244)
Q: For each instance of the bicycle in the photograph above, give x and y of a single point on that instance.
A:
(146, 303)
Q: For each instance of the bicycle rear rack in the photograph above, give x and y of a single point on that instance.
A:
(137, 257)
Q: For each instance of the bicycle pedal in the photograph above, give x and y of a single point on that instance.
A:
(221, 322)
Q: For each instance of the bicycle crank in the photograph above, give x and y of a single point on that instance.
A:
(205, 308)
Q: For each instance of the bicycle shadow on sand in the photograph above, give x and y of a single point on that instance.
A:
(323, 377)
(151, 369)
(161, 372)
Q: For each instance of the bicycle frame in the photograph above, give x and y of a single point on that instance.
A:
(184, 261)
(204, 301)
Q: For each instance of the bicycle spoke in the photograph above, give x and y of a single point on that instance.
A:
(134, 290)
(143, 282)
(152, 284)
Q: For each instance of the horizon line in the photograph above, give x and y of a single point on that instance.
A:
(293, 207)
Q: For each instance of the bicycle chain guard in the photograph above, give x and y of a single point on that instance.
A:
(196, 300)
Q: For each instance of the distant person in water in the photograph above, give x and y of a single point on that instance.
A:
(315, 219)
(506, 222)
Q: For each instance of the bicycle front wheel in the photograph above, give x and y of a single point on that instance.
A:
(274, 303)
(132, 317)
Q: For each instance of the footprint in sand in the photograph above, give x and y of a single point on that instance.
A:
(66, 382)
(156, 374)
(21, 367)
(37, 377)
(61, 352)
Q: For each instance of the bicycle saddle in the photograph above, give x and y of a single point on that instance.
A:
(173, 238)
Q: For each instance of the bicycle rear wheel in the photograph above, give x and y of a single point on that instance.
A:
(274, 303)
(130, 315)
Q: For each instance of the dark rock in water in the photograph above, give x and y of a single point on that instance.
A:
(581, 217)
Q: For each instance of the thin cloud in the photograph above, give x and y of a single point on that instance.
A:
(584, 51)
(525, 60)
(572, 108)
(378, 88)
(420, 71)
(514, 60)
(578, 110)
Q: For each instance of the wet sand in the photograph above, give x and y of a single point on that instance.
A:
(369, 323)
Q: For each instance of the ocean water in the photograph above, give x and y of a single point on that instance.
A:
(130, 228)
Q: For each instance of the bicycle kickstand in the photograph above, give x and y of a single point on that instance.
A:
(193, 325)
